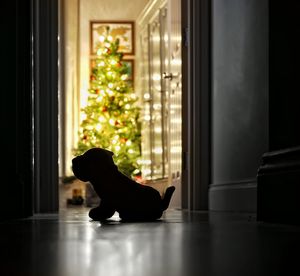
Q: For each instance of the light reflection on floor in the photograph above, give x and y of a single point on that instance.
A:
(181, 243)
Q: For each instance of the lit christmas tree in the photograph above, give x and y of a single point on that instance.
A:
(111, 117)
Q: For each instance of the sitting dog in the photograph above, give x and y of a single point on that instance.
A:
(133, 201)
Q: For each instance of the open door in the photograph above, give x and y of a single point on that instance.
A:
(160, 69)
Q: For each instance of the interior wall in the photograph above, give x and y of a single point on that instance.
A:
(284, 75)
(239, 101)
(279, 173)
(16, 116)
(69, 104)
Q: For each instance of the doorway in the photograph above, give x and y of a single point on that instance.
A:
(195, 23)
(157, 84)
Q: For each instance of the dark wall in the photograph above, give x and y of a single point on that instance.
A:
(279, 174)
(239, 101)
(16, 168)
(284, 75)
(45, 47)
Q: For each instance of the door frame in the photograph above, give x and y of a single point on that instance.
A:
(196, 58)
(44, 70)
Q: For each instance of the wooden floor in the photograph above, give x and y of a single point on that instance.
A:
(180, 244)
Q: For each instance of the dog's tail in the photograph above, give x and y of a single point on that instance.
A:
(167, 197)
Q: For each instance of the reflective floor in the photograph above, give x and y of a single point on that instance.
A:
(180, 244)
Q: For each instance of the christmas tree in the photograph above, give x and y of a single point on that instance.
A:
(111, 117)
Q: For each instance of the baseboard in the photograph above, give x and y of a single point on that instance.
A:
(237, 196)
(278, 191)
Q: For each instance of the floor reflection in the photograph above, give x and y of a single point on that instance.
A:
(180, 244)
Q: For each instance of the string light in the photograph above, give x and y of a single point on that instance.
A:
(101, 38)
(146, 96)
(112, 122)
(124, 77)
(101, 63)
(128, 143)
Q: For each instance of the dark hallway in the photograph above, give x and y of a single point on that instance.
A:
(241, 153)
(182, 243)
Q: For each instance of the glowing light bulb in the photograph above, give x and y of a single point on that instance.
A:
(98, 127)
(112, 122)
(156, 77)
(101, 63)
(124, 77)
(157, 130)
(158, 150)
(146, 172)
(127, 106)
(146, 96)
(101, 38)
(101, 119)
(128, 143)
(110, 85)
(136, 171)
(147, 117)
(109, 38)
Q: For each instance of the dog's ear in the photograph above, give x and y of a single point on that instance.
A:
(110, 153)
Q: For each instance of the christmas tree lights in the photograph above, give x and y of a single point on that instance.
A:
(110, 119)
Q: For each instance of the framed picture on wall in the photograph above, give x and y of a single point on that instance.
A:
(123, 30)
(130, 64)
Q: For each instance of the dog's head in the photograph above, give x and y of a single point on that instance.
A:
(93, 163)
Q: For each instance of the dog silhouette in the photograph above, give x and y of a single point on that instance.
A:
(117, 192)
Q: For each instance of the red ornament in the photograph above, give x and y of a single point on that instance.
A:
(139, 179)
(97, 91)
(92, 77)
(104, 109)
(123, 140)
